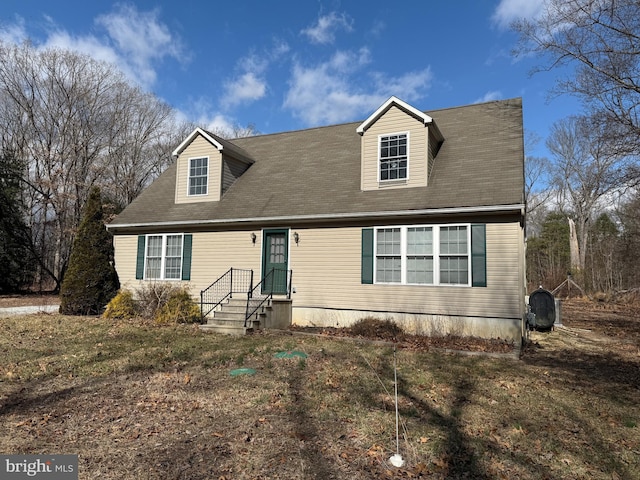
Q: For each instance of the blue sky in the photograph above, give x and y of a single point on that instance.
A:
(287, 65)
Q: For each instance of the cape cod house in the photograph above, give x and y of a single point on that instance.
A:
(408, 215)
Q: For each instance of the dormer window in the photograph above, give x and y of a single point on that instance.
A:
(397, 138)
(394, 159)
(198, 176)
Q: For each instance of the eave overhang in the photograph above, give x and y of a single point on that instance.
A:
(219, 144)
(518, 208)
(198, 131)
(394, 101)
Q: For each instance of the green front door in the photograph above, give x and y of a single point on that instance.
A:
(275, 251)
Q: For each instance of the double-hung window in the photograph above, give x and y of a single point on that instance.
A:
(393, 157)
(419, 255)
(454, 255)
(423, 255)
(163, 257)
(198, 176)
(388, 255)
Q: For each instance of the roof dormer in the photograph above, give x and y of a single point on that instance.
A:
(207, 166)
(398, 146)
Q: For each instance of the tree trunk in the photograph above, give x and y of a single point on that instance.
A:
(573, 246)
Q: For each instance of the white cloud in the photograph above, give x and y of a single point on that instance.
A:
(135, 41)
(218, 123)
(246, 88)
(334, 92)
(408, 87)
(489, 97)
(200, 111)
(348, 61)
(251, 85)
(318, 98)
(509, 10)
(141, 39)
(14, 33)
(323, 32)
(88, 45)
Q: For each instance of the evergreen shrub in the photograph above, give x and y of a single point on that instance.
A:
(90, 280)
(121, 306)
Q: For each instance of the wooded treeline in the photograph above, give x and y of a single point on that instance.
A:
(583, 202)
(68, 123)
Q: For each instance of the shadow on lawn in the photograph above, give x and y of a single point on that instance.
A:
(461, 455)
(26, 399)
(184, 457)
(609, 370)
(457, 458)
(316, 466)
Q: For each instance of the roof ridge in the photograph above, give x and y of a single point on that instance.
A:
(358, 122)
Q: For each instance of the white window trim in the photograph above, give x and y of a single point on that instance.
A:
(163, 257)
(394, 181)
(436, 255)
(189, 194)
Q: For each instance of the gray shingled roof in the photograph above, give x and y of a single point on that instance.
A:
(316, 173)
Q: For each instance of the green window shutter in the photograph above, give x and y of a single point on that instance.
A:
(140, 258)
(186, 256)
(478, 255)
(367, 255)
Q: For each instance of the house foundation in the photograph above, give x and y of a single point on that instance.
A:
(415, 323)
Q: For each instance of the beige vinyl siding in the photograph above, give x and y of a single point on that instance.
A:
(126, 251)
(231, 171)
(213, 253)
(197, 149)
(326, 274)
(394, 121)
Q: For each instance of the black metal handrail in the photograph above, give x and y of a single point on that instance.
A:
(264, 290)
(235, 280)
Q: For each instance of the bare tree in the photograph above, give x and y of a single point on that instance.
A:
(235, 131)
(603, 265)
(537, 188)
(141, 138)
(548, 255)
(601, 40)
(536, 192)
(75, 123)
(586, 173)
(629, 245)
(58, 104)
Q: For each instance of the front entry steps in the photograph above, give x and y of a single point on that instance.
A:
(228, 318)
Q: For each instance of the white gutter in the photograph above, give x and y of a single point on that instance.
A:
(334, 216)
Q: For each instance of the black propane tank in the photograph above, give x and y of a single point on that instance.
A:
(543, 307)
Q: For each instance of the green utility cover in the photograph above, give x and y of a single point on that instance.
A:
(291, 354)
(242, 371)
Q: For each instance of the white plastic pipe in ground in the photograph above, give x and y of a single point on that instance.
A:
(396, 460)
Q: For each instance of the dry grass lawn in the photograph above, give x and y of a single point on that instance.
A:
(142, 401)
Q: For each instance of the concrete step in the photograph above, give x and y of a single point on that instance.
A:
(230, 329)
(234, 307)
(229, 318)
(237, 300)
